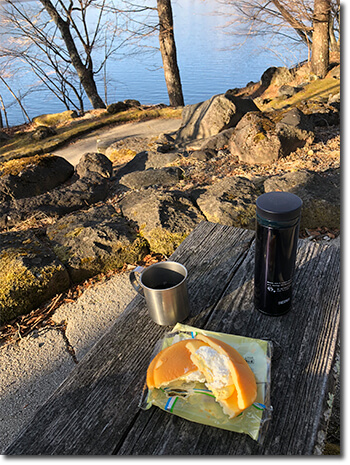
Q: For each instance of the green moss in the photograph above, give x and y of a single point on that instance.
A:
(75, 232)
(163, 241)
(259, 137)
(22, 290)
(54, 118)
(245, 217)
(15, 166)
(314, 90)
(63, 253)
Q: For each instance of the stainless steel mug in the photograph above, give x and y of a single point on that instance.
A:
(164, 287)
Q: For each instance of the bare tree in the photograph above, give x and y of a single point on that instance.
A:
(280, 19)
(85, 70)
(320, 38)
(67, 43)
(59, 43)
(16, 97)
(168, 51)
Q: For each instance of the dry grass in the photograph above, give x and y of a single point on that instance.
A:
(22, 144)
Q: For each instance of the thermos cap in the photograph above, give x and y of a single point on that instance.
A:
(278, 206)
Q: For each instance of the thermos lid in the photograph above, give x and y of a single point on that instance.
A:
(278, 206)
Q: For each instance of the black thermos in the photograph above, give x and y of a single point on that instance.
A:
(277, 231)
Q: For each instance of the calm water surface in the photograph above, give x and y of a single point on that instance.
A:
(208, 65)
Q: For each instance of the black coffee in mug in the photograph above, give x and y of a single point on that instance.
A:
(277, 232)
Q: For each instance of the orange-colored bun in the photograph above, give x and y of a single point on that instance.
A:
(170, 364)
(242, 375)
(226, 372)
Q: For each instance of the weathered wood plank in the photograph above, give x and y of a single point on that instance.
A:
(304, 341)
(94, 409)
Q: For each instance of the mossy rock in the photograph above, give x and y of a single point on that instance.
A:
(164, 242)
(230, 202)
(95, 241)
(164, 218)
(31, 176)
(43, 132)
(30, 274)
(52, 119)
(320, 193)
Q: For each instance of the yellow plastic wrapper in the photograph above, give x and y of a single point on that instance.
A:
(194, 402)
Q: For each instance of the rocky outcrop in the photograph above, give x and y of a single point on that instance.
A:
(122, 106)
(30, 273)
(257, 139)
(77, 193)
(208, 118)
(230, 201)
(95, 241)
(164, 218)
(320, 193)
(33, 176)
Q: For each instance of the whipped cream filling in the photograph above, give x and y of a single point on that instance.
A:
(217, 367)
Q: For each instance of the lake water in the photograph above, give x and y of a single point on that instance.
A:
(208, 65)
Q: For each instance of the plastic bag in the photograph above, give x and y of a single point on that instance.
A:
(194, 402)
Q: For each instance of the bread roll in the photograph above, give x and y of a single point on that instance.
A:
(173, 364)
(239, 391)
(206, 359)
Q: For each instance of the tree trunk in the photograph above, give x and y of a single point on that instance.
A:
(320, 38)
(168, 51)
(303, 32)
(85, 74)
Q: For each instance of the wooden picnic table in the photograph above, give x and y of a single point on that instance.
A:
(96, 410)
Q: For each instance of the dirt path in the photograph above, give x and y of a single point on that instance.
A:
(86, 144)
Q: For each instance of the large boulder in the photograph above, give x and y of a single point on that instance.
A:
(258, 140)
(30, 274)
(58, 202)
(94, 163)
(43, 132)
(55, 118)
(149, 160)
(164, 218)
(152, 177)
(231, 201)
(296, 118)
(212, 116)
(276, 76)
(320, 193)
(90, 188)
(95, 241)
(27, 177)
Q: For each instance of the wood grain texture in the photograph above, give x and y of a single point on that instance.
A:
(95, 411)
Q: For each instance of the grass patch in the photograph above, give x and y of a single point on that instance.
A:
(315, 90)
(22, 144)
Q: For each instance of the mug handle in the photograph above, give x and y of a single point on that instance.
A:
(135, 279)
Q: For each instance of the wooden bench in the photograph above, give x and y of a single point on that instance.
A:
(95, 411)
